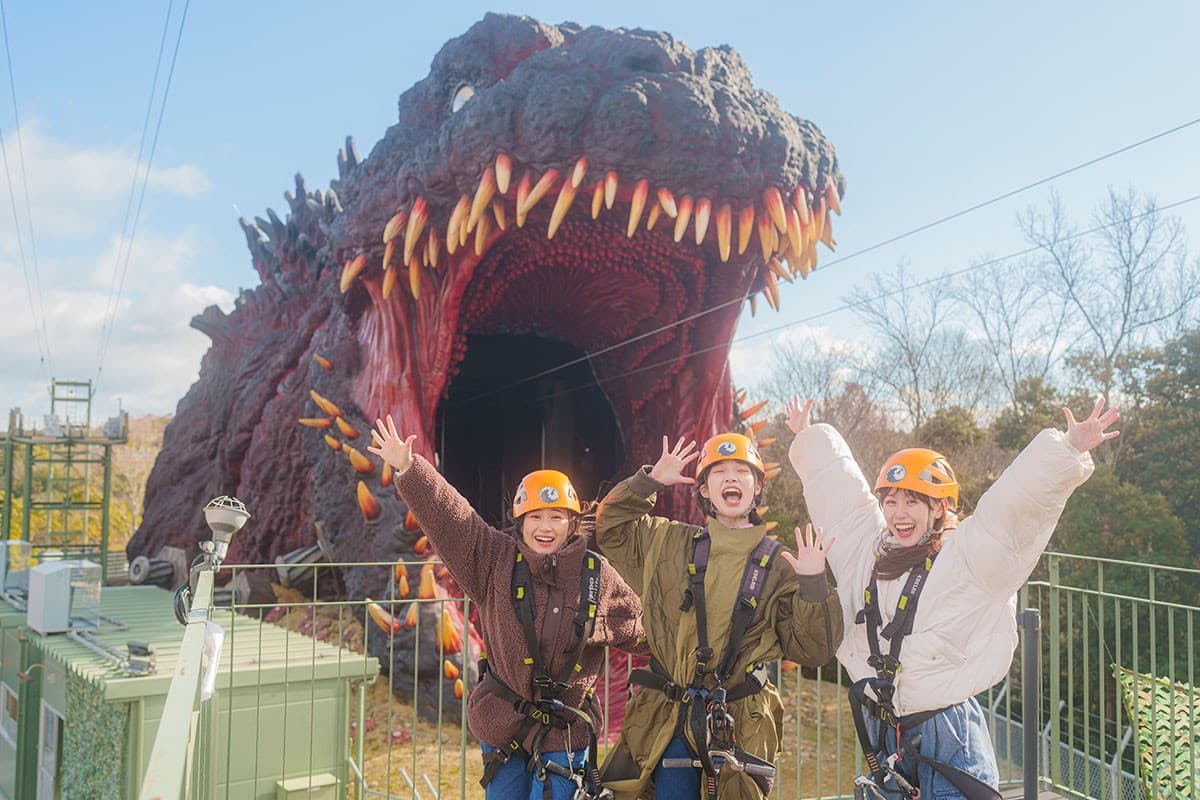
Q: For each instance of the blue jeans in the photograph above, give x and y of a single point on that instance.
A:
(514, 781)
(959, 737)
(676, 782)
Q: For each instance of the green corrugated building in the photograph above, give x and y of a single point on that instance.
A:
(77, 724)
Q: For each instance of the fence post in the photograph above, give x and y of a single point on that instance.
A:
(1030, 622)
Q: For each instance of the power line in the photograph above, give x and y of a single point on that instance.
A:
(881, 296)
(849, 256)
(34, 289)
(107, 334)
(137, 167)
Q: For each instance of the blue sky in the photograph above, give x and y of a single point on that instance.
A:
(932, 107)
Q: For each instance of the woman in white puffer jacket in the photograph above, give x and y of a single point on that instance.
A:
(963, 632)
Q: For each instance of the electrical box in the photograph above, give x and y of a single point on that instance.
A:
(64, 595)
(322, 786)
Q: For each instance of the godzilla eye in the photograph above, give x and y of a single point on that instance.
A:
(461, 95)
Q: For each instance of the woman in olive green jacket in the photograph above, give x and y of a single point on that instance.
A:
(795, 615)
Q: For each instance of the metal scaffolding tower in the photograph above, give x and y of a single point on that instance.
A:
(52, 472)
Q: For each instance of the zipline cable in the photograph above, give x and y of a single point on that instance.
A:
(107, 337)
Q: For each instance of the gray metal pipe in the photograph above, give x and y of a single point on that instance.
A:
(1030, 623)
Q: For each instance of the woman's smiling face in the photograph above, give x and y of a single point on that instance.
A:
(910, 515)
(731, 487)
(545, 530)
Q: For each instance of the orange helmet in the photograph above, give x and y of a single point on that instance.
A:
(922, 471)
(545, 488)
(729, 447)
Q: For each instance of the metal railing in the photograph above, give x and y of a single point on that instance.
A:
(406, 735)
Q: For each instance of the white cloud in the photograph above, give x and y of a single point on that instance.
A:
(750, 360)
(78, 198)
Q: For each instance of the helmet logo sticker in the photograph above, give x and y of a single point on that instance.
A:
(895, 473)
(520, 497)
(548, 494)
(570, 492)
(726, 448)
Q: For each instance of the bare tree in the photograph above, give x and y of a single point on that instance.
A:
(921, 356)
(1134, 287)
(1024, 324)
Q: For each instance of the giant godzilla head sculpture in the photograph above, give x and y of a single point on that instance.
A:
(548, 194)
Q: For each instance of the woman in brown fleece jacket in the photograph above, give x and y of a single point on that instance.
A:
(482, 560)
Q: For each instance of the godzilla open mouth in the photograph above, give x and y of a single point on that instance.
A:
(641, 285)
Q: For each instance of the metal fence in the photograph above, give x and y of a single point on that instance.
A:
(406, 732)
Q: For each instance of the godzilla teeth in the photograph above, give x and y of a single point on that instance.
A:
(367, 503)
(503, 173)
(788, 224)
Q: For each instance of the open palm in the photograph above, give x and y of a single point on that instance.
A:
(1089, 433)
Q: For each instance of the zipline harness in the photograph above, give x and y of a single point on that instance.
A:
(882, 765)
(708, 718)
(547, 709)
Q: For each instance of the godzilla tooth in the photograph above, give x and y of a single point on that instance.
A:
(739, 396)
(503, 173)
(724, 223)
(458, 689)
(773, 474)
(667, 201)
(449, 670)
(426, 590)
(346, 428)
(402, 580)
(367, 503)
(745, 227)
(482, 230)
(773, 202)
(410, 522)
(325, 405)
(483, 197)
(315, 422)
(386, 622)
(683, 217)
(389, 250)
(766, 235)
(827, 233)
(350, 271)
(597, 199)
(753, 304)
(423, 252)
(652, 217)
(610, 189)
(766, 443)
(362, 465)
(754, 409)
(500, 214)
(770, 288)
(577, 175)
(385, 479)
(770, 525)
(433, 247)
(451, 641)
(800, 202)
(416, 224)
(394, 225)
(820, 215)
(637, 202)
(703, 211)
(831, 194)
(322, 360)
(795, 233)
(389, 282)
(522, 196)
(461, 209)
(538, 191)
(778, 269)
(755, 427)
(420, 546)
(333, 443)
(414, 278)
(566, 195)
(410, 619)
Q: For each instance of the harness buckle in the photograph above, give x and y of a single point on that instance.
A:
(703, 654)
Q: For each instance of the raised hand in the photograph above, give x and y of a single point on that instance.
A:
(810, 552)
(798, 418)
(668, 471)
(1086, 435)
(390, 447)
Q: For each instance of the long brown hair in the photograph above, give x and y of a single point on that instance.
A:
(891, 563)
